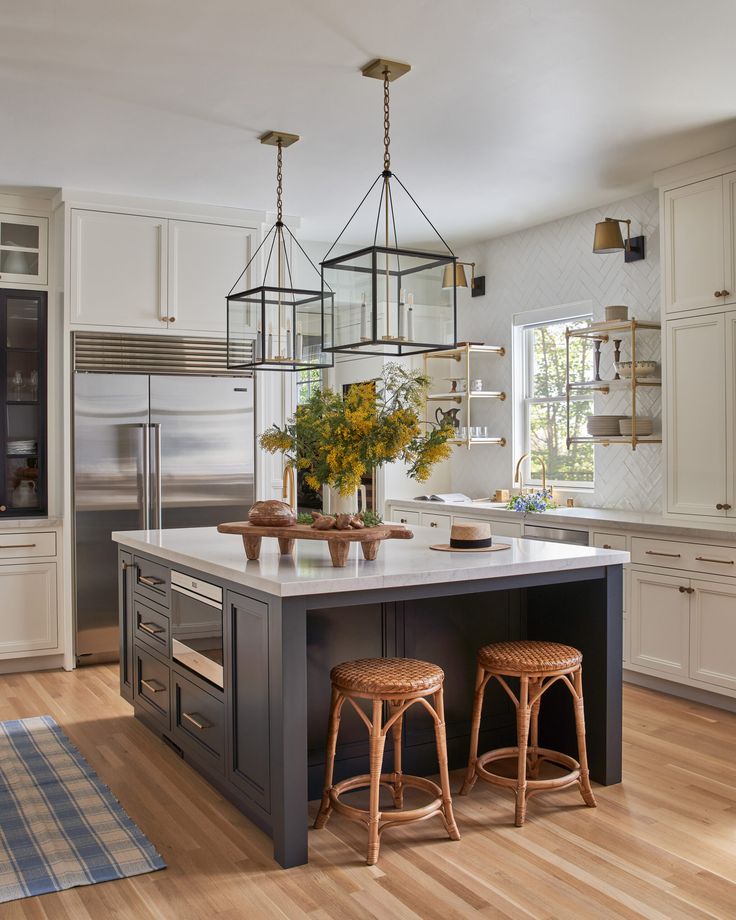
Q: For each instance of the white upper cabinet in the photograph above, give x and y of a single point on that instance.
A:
(695, 253)
(697, 406)
(118, 270)
(729, 199)
(204, 262)
(23, 250)
(134, 272)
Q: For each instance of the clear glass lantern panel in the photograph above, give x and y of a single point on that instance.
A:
(419, 311)
(243, 318)
(348, 317)
(279, 326)
(308, 326)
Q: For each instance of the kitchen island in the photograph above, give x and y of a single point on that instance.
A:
(248, 707)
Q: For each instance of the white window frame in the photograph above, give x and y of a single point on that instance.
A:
(522, 361)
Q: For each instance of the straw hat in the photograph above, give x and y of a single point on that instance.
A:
(470, 538)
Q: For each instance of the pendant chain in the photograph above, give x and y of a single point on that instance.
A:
(386, 122)
(279, 181)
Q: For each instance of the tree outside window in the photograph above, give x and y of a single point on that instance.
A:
(545, 423)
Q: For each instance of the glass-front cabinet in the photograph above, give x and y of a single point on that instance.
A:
(23, 250)
(23, 487)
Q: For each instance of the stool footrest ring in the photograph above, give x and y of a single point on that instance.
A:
(533, 785)
(395, 816)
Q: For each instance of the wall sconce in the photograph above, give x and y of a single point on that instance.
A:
(477, 285)
(608, 239)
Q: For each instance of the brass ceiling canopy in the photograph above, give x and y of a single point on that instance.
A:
(274, 138)
(380, 69)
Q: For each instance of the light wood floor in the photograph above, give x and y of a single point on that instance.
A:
(661, 845)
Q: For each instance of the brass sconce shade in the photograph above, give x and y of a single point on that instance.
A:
(477, 285)
(608, 238)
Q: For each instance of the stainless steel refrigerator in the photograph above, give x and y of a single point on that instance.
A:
(150, 452)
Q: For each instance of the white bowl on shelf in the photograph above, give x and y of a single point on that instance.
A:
(643, 368)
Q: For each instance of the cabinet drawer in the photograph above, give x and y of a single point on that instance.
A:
(22, 545)
(689, 557)
(152, 581)
(199, 721)
(151, 686)
(436, 521)
(610, 541)
(399, 516)
(151, 627)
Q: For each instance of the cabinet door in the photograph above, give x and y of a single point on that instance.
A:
(23, 250)
(247, 697)
(696, 416)
(125, 614)
(659, 622)
(713, 633)
(118, 270)
(694, 247)
(28, 620)
(204, 263)
(730, 320)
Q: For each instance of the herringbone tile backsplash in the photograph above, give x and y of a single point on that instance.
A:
(542, 267)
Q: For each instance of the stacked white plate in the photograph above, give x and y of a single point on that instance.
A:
(644, 426)
(604, 426)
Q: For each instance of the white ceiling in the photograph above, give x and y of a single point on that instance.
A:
(514, 113)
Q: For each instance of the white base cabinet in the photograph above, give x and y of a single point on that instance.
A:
(28, 612)
(660, 622)
(713, 633)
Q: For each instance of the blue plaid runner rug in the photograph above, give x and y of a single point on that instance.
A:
(60, 826)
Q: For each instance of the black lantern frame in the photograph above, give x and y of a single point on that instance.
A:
(276, 327)
(371, 308)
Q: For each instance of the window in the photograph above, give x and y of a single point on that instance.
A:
(543, 420)
(308, 380)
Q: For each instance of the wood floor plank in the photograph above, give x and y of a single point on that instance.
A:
(659, 846)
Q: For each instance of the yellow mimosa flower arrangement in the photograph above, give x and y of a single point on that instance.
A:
(338, 440)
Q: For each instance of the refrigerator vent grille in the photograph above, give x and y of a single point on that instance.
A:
(114, 353)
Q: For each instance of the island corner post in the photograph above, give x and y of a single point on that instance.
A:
(580, 607)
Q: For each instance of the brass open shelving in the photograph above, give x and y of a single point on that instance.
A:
(467, 397)
(602, 333)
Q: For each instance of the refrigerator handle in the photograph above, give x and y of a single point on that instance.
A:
(145, 505)
(156, 505)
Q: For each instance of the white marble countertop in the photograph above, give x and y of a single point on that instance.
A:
(587, 518)
(400, 563)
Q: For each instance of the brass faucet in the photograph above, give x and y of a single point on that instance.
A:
(518, 477)
(288, 488)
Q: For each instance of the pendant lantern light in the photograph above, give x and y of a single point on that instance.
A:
(385, 298)
(276, 326)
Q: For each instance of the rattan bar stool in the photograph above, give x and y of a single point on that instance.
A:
(538, 665)
(400, 682)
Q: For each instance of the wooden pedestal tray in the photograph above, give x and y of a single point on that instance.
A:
(338, 541)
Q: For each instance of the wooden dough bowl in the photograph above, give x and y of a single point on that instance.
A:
(338, 541)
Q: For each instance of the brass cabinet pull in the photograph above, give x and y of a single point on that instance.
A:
(153, 685)
(197, 720)
(402, 521)
(151, 628)
(718, 293)
(721, 561)
(683, 590)
(651, 552)
(150, 581)
(17, 545)
(725, 293)
(433, 523)
(607, 546)
(172, 319)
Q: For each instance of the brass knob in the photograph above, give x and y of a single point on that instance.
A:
(725, 293)
(172, 319)
(401, 520)
(720, 507)
(607, 546)
(726, 506)
(2, 507)
(718, 293)
(433, 523)
(682, 589)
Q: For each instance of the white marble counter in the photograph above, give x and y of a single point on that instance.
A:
(400, 563)
(587, 518)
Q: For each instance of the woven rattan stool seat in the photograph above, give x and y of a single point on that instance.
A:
(390, 676)
(529, 656)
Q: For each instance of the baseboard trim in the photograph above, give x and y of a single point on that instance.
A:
(694, 694)
(39, 663)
